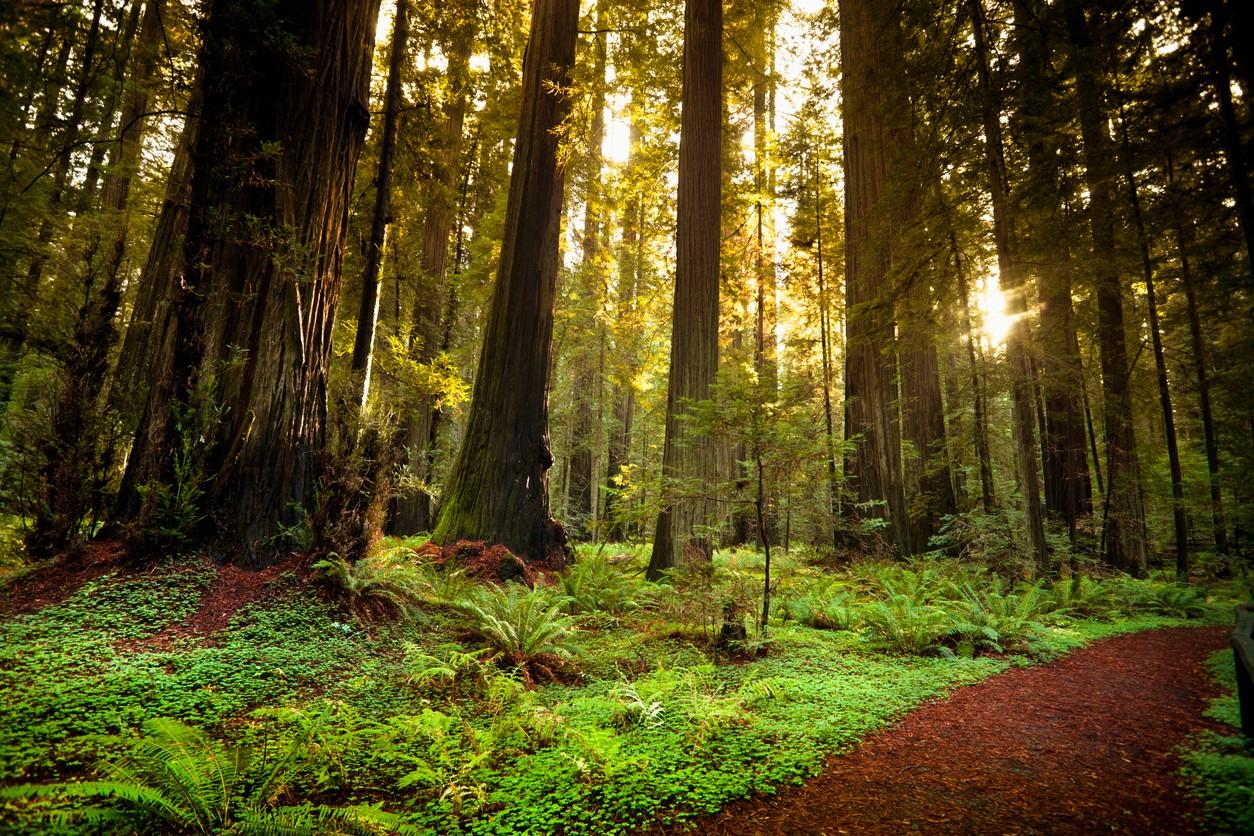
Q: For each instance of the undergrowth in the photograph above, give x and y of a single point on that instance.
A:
(592, 704)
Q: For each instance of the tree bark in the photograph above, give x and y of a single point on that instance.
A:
(833, 486)
(688, 457)
(1023, 384)
(869, 43)
(368, 311)
(284, 113)
(498, 487)
(1124, 545)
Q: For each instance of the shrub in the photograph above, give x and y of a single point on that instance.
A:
(525, 627)
(594, 585)
(824, 607)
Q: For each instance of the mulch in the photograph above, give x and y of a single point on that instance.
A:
(1085, 744)
(53, 583)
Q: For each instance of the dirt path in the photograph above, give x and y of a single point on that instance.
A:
(1082, 745)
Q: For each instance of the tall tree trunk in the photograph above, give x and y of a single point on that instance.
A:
(1160, 362)
(1068, 493)
(1200, 365)
(588, 382)
(825, 344)
(283, 117)
(1122, 531)
(1023, 384)
(1234, 152)
(869, 42)
(368, 310)
(988, 494)
(123, 47)
(688, 457)
(623, 393)
(13, 337)
(434, 299)
(497, 489)
(76, 453)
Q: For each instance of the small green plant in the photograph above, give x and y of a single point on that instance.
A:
(378, 586)
(822, 606)
(594, 585)
(904, 624)
(525, 627)
(178, 779)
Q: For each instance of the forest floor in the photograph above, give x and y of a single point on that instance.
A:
(1084, 744)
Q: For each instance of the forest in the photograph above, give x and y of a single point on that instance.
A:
(652, 416)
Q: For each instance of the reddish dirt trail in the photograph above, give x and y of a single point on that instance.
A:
(1082, 745)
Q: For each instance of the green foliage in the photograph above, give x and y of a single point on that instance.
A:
(522, 625)
(822, 605)
(1219, 768)
(905, 625)
(595, 585)
(176, 778)
(388, 583)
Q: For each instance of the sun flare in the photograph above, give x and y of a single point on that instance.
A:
(992, 302)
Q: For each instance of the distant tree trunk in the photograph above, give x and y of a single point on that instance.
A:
(833, 486)
(1023, 383)
(1122, 532)
(283, 117)
(122, 52)
(497, 489)
(869, 40)
(688, 457)
(1234, 152)
(1068, 493)
(622, 394)
(988, 495)
(13, 337)
(435, 300)
(1160, 361)
(75, 453)
(1201, 368)
(368, 310)
(587, 385)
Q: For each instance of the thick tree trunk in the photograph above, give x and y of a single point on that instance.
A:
(869, 43)
(368, 310)
(283, 117)
(497, 489)
(688, 457)
(1023, 383)
(1124, 521)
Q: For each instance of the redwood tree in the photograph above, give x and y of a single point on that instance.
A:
(688, 457)
(497, 488)
(235, 418)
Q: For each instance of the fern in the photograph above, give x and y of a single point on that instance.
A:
(177, 779)
(521, 625)
(905, 625)
(383, 584)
